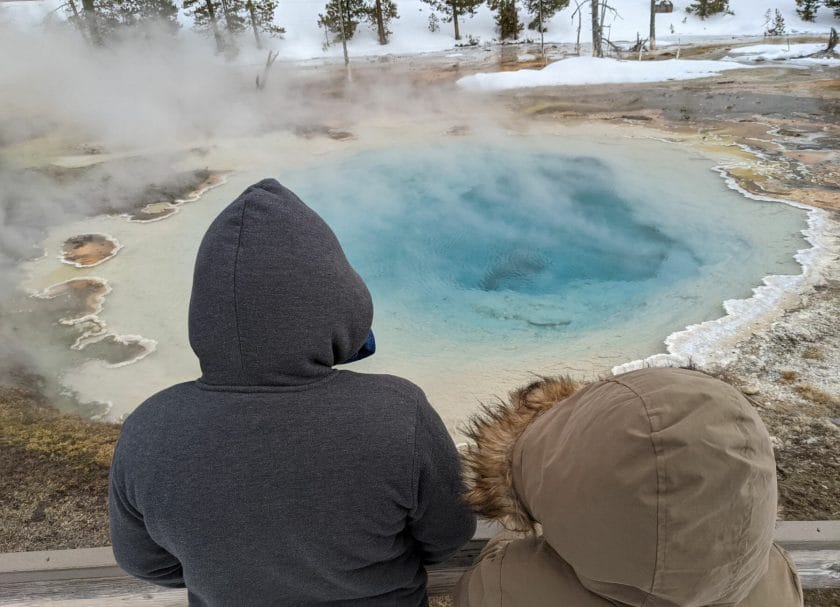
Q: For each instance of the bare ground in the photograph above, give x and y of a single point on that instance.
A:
(53, 475)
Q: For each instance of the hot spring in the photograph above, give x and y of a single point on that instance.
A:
(489, 261)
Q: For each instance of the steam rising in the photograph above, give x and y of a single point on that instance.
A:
(85, 130)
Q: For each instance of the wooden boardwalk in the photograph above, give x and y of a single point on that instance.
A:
(91, 578)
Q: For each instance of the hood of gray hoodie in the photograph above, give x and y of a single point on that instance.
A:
(274, 300)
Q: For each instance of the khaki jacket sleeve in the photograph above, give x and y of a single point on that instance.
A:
(780, 586)
(522, 573)
(480, 586)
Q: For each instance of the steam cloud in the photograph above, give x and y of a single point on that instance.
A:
(145, 103)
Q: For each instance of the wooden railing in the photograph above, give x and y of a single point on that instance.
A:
(90, 577)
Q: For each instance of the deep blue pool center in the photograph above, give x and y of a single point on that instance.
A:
(480, 239)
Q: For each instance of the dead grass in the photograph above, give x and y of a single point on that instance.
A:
(46, 432)
(53, 475)
(813, 354)
(828, 597)
(788, 376)
(814, 394)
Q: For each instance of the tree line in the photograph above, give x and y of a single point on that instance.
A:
(228, 20)
(807, 9)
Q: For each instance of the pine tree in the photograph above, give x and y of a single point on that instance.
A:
(807, 9)
(548, 8)
(453, 10)
(163, 12)
(507, 18)
(234, 16)
(379, 15)
(205, 14)
(353, 11)
(100, 19)
(779, 27)
(774, 25)
(833, 4)
(706, 8)
(261, 17)
(434, 23)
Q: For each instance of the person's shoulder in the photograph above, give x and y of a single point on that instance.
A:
(158, 409)
(389, 386)
(148, 429)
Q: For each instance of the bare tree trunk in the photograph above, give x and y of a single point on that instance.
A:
(542, 36)
(579, 14)
(455, 19)
(515, 15)
(217, 35)
(228, 21)
(343, 33)
(254, 27)
(652, 36)
(380, 25)
(597, 51)
(272, 57)
(832, 41)
(603, 17)
(78, 20)
(91, 22)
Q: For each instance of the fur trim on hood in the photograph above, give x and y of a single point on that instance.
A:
(488, 458)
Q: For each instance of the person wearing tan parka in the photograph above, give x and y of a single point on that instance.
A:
(655, 488)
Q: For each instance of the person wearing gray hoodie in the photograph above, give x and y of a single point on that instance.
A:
(276, 479)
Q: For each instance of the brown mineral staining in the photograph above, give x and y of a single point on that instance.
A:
(77, 305)
(213, 179)
(117, 350)
(76, 299)
(322, 130)
(153, 212)
(88, 250)
(162, 201)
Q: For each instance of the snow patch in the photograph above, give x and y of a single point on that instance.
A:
(772, 52)
(590, 70)
(797, 54)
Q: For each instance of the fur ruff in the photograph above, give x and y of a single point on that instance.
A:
(488, 459)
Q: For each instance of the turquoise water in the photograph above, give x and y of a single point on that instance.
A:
(489, 262)
(475, 246)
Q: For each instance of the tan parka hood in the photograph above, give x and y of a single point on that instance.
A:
(656, 488)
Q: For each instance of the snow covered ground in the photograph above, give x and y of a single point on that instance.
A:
(792, 53)
(304, 39)
(589, 70)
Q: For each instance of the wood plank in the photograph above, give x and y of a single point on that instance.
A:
(91, 578)
(805, 535)
(817, 568)
(58, 564)
(91, 592)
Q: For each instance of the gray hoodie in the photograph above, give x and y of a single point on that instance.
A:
(276, 479)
